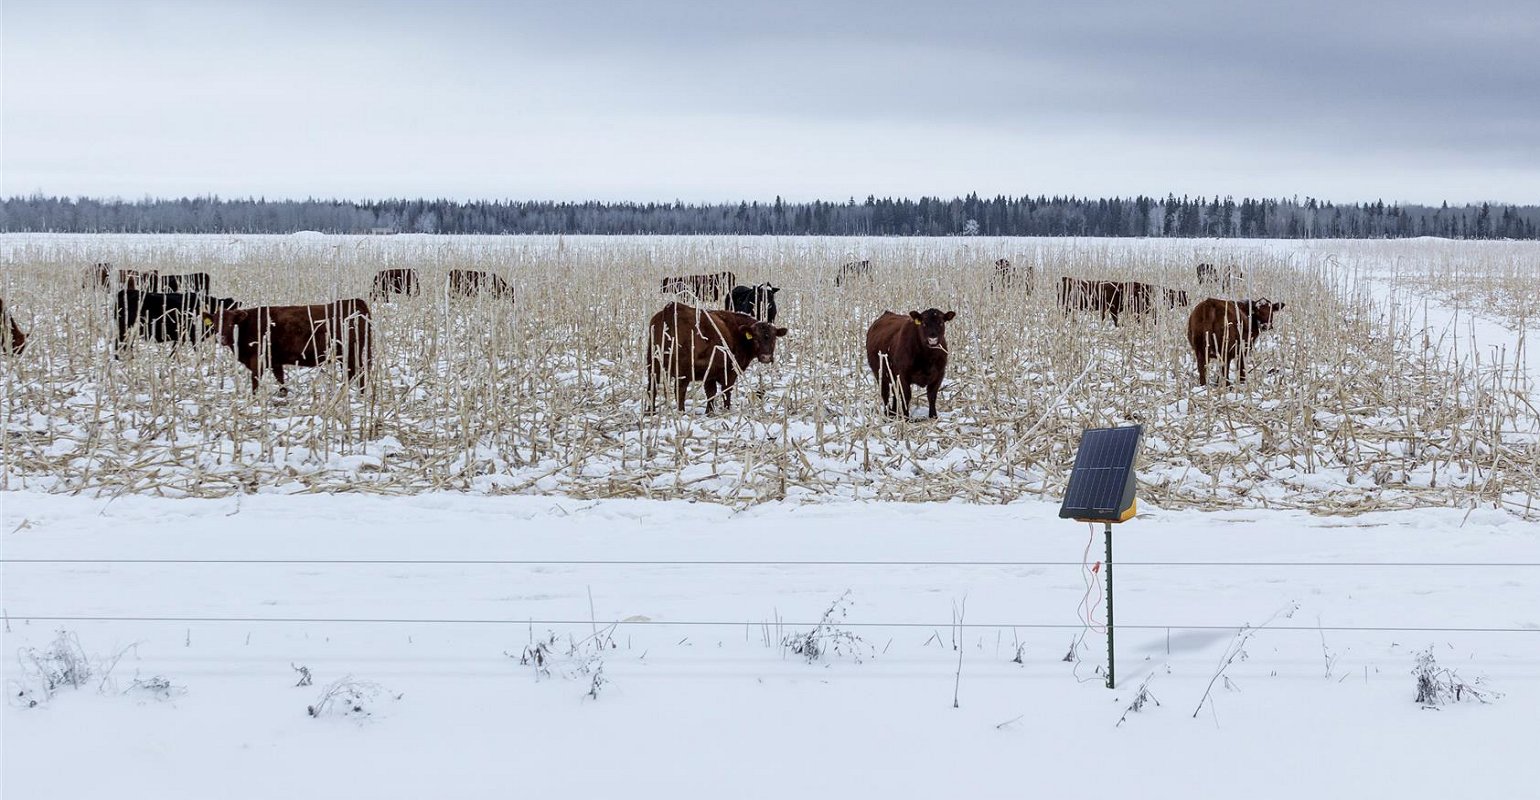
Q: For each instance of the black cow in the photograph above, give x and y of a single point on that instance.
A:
(399, 280)
(168, 316)
(191, 283)
(855, 269)
(756, 301)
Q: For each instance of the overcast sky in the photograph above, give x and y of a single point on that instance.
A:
(704, 101)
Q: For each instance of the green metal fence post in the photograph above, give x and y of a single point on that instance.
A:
(1111, 681)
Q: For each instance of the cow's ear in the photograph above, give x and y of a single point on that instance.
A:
(773, 290)
(915, 315)
(748, 335)
(1277, 306)
(949, 315)
(781, 332)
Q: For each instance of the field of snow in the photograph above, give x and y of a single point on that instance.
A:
(496, 576)
(1320, 703)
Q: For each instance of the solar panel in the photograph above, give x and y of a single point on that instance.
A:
(1101, 486)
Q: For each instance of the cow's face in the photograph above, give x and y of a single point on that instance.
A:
(214, 310)
(225, 321)
(1262, 313)
(761, 337)
(932, 323)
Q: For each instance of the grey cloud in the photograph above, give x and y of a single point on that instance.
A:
(1419, 100)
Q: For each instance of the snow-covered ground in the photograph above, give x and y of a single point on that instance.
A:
(193, 614)
(686, 709)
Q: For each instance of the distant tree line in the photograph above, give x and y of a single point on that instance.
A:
(928, 216)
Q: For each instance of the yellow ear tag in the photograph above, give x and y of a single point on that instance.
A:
(208, 320)
(916, 322)
(748, 335)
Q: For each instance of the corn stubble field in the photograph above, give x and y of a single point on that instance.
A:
(1357, 399)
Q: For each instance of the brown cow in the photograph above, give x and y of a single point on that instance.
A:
(134, 280)
(710, 346)
(1111, 299)
(1079, 295)
(100, 275)
(1006, 275)
(303, 336)
(469, 283)
(711, 286)
(400, 280)
(1115, 298)
(1133, 297)
(911, 351)
(12, 340)
(1225, 330)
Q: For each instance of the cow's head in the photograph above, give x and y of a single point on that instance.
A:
(225, 321)
(761, 338)
(1262, 313)
(932, 323)
(215, 310)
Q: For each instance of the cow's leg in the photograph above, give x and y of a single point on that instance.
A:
(727, 394)
(930, 395)
(652, 384)
(255, 369)
(1240, 361)
(885, 385)
(123, 326)
(283, 391)
(683, 385)
(908, 397)
(712, 387)
(358, 356)
(354, 367)
(1200, 354)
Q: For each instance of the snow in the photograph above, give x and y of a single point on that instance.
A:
(702, 710)
(181, 450)
(430, 599)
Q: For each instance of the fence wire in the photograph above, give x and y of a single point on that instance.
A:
(740, 563)
(950, 624)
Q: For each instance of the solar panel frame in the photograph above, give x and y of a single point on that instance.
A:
(1102, 481)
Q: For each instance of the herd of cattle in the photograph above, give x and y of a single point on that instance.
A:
(713, 346)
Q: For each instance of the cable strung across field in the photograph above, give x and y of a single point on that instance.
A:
(735, 623)
(742, 563)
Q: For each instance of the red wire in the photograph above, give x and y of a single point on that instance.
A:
(1088, 605)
